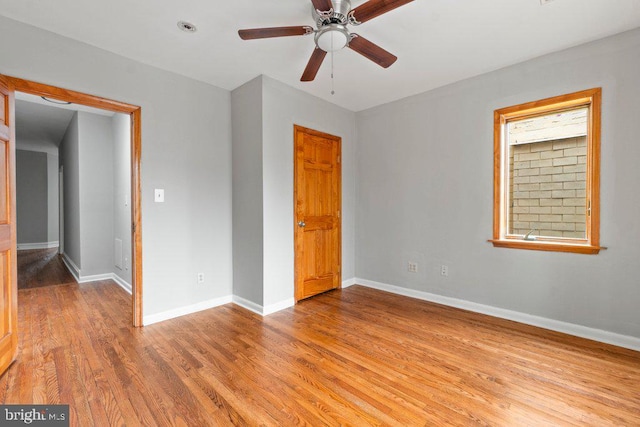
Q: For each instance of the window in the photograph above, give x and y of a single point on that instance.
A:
(547, 174)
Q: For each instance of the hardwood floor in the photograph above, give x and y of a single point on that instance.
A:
(41, 267)
(352, 357)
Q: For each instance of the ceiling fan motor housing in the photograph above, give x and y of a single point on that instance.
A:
(340, 15)
(332, 34)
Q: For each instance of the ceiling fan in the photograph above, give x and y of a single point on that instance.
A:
(331, 18)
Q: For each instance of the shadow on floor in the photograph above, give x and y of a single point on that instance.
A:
(42, 267)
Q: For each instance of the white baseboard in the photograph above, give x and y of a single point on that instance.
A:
(263, 311)
(71, 266)
(348, 282)
(607, 337)
(123, 283)
(242, 302)
(95, 277)
(41, 245)
(181, 311)
(249, 305)
(272, 308)
(77, 274)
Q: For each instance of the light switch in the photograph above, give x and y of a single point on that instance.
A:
(159, 195)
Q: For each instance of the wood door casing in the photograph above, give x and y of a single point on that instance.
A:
(135, 113)
(318, 198)
(8, 272)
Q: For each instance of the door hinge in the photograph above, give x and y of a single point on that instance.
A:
(589, 208)
(133, 227)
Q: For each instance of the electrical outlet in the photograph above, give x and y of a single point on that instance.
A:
(444, 270)
(200, 278)
(412, 267)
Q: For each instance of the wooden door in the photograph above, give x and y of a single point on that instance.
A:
(317, 224)
(8, 273)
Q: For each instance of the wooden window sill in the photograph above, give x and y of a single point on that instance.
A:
(537, 245)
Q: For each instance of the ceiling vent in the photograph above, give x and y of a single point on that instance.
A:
(187, 27)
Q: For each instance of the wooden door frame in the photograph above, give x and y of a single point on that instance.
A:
(296, 246)
(135, 114)
(9, 338)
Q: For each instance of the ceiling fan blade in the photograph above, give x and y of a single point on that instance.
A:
(264, 33)
(322, 5)
(372, 51)
(374, 8)
(313, 65)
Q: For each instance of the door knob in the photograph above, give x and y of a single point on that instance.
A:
(301, 224)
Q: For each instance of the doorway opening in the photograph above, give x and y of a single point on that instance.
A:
(125, 196)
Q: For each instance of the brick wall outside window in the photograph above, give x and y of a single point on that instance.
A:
(548, 188)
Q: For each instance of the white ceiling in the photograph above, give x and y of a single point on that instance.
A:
(40, 123)
(437, 41)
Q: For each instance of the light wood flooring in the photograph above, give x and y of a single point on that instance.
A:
(352, 357)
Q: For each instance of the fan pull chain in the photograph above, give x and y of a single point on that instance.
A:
(332, 80)
(332, 87)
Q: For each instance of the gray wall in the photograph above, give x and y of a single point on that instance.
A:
(96, 193)
(425, 182)
(121, 131)
(53, 207)
(284, 106)
(186, 131)
(37, 197)
(95, 155)
(70, 162)
(31, 197)
(264, 113)
(248, 227)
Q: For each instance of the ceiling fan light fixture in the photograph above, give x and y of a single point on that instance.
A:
(332, 37)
